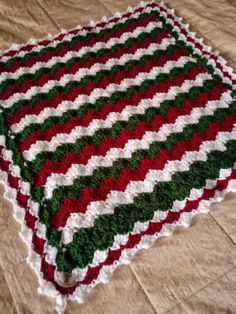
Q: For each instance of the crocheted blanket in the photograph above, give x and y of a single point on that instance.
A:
(111, 135)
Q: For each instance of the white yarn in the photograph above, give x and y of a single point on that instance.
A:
(77, 76)
(185, 219)
(66, 105)
(75, 170)
(134, 188)
(62, 138)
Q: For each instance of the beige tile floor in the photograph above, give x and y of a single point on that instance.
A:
(193, 271)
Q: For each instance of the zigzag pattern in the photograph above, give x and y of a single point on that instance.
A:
(110, 136)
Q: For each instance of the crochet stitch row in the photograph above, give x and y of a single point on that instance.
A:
(110, 136)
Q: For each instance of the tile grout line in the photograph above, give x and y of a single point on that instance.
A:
(144, 291)
(106, 7)
(222, 228)
(13, 299)
(211, 282)
(13, 268)
(48, 15)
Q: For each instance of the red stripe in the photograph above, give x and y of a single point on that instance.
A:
(92, 274)
(88, 195)
(155, 227)
(69, 159)
(76, 91)
(71, 123)
(14, 183)
(49, 274)
(60, 37)
(89, 150)
(81, 44)
(27, 84)
(199, 46)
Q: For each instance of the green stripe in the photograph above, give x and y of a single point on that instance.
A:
(56, 90)
(80, 252)
(67, 65)
(51, 206)
(29, 168)
(66, 89)
(26, 168)
(77, 38)
(81, 111)
(100, 134)
(101, 236)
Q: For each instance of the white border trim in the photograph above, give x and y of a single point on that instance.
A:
(10, 193)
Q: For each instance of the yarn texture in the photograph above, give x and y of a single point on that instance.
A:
(111, 136)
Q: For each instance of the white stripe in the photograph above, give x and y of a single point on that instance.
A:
(51, 252)
(70, 54)
(80, 31)
(184, 220)
(146, 242)
(207, 50)
(134, 188)
(76, 133)
(121, 240)
(80, 293)
(82, 72)
(126, 256)
(25, 189)
(63, 107)
(58, 179)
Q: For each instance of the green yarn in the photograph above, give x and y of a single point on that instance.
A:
(86, 241)
(102, 133)
(73, 191)
(67, 65)
(77, 38)
(42, 127)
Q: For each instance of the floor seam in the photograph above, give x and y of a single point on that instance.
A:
(106, 7)
(15, 303)
(48, 15)
(144, 291)
(12, 267)
(211, 282)
(222, 229)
